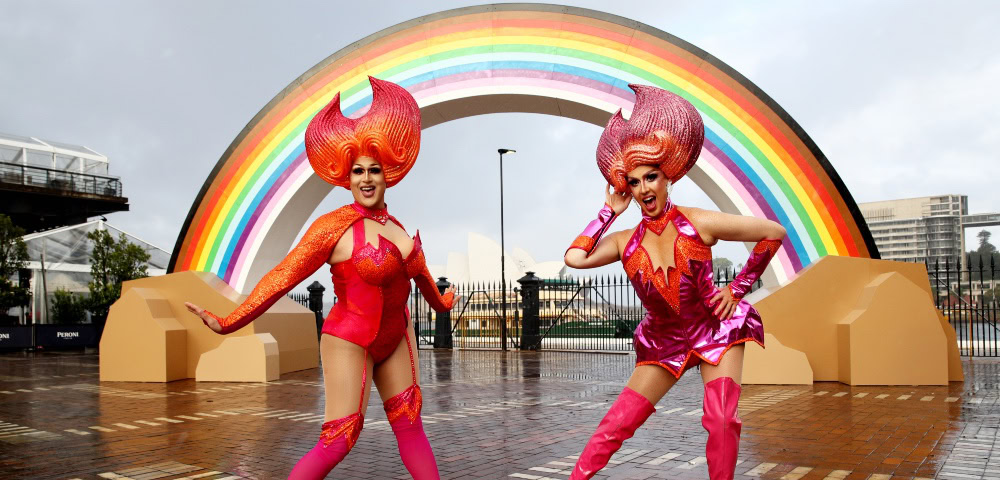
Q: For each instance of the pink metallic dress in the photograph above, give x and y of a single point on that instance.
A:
(679, 330)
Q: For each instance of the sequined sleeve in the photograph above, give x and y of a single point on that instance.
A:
(416, 268)
(588, 239)
(761, 255)
(312, 252)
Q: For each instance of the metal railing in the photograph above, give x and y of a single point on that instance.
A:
(968, 298)
(18, 174)
(580, 314)
(475, 319)
(299, 298)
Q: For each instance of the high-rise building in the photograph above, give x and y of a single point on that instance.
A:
(918, 229)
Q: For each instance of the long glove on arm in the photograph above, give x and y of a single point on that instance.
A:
(761, 255)
(416, 268)
(311, 253)
(588, 239)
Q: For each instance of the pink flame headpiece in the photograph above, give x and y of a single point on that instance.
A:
(389, 133)
(664, 131)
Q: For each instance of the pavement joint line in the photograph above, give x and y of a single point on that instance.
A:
(268, 412)
(663, 458)
(760, 470)
(297, 416)
(837, 475)
(168, 420)
(796, 473)
(272, 415)
(694, 462)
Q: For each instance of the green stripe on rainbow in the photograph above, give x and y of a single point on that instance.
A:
(757, 161)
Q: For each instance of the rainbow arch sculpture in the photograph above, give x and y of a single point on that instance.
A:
(533, 58)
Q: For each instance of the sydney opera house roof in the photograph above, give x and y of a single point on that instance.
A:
(481, 263)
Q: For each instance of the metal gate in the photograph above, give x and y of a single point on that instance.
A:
(968, 299)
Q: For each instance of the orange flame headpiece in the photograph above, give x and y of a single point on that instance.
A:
(389, 133)
(664, 131)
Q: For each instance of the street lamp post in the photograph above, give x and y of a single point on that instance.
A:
(503, 276)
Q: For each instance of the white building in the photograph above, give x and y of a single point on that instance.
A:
(482, 263)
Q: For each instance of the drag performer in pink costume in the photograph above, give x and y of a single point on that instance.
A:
(668, 259)
(368, 329)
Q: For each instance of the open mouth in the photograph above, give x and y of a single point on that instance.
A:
(649, 202)
(368, 192)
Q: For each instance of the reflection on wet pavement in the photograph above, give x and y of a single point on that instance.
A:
(488, 415)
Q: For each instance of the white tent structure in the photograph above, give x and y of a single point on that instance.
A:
(60, 259)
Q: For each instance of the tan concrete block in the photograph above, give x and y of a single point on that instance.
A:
(775, 365)
(247, 358)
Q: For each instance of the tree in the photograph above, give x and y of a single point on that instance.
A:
(986, 249)
(111, 264)
(13, 257)
(984, 255)
(722, 264)
(68, 307)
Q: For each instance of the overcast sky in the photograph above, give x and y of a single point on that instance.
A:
(900, 96)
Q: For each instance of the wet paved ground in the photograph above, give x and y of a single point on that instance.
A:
(488, 415)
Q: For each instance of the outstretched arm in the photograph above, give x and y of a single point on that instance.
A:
(589, 250)
(416, 268)
(715, 226)
(311, 253)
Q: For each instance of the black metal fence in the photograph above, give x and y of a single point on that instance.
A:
(299, 298)
(967, 296)
(60, 180)
(601, 313)
(581, 314)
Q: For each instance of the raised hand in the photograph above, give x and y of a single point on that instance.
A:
(208, 320)
(455, 297)
(617, 202)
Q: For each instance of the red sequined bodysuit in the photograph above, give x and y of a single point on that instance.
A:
(372, 289)
(371, 286)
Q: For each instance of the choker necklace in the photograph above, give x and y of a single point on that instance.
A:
(380, 215)
(659, 223)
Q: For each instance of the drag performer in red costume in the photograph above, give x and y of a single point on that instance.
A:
(668, 259)
(372, 260)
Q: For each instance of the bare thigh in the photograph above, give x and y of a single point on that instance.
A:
(651, 381)
(343, 363)
(394, 375)
(730, 366)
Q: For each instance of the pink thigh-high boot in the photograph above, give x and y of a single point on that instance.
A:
(403, 412)
(628, 412)
(722, 397)
(335, 441)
